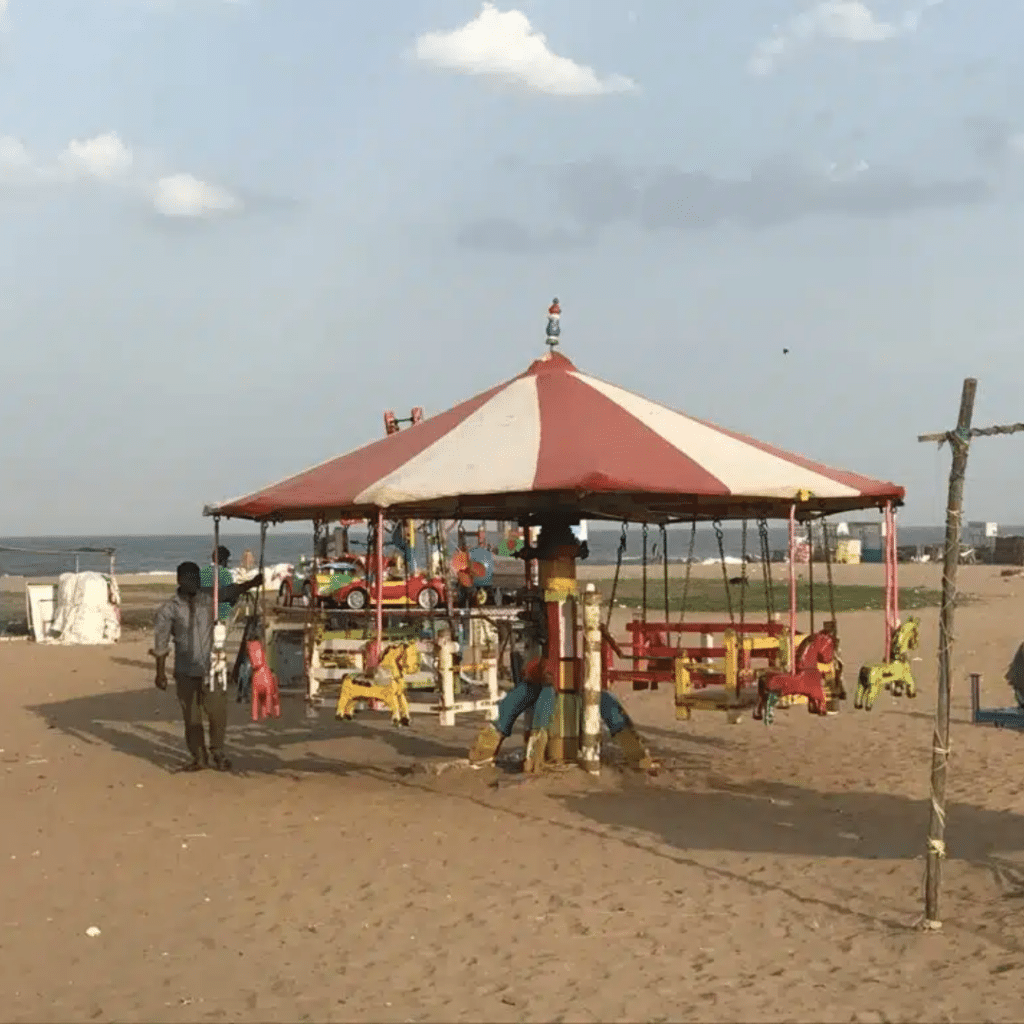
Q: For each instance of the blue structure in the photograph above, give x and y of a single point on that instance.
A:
(1001, 718)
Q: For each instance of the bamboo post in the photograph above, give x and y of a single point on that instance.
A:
(960, 441)
(590, 741)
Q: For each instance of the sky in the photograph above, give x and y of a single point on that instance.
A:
(234, 232)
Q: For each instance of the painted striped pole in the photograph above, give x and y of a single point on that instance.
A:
(590, 747)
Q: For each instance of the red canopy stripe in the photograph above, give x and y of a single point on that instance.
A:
(337, 482)
(589, 442)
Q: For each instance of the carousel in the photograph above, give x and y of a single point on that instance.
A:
(551, 448)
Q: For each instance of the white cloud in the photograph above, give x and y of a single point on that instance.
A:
(13, 154)
(504, 45)
(105, 157)
(183, 195)
(847, 20)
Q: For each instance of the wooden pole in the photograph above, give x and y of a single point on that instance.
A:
(960, 443)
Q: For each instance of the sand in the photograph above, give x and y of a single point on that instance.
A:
(345, 874)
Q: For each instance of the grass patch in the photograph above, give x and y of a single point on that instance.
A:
(710, 596)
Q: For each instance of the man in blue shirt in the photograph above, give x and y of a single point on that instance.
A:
(187, 621)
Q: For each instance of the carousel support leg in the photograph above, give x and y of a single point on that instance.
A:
(622, 730)
(590, 748)
(543, 721)
(313, 679)
(564, 732)
(446, 670)
(490, 663)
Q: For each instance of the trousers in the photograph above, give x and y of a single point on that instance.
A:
(196, 699)
(524, 695)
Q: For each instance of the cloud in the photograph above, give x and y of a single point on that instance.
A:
(594, 195)
(105, 157)
(994, 140)
(851, 21)
(505, 46)
(183, 195)
(106, 160)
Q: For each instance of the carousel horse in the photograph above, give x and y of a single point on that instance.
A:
(266, 696)
(895, 674)
(807, 681)
(385, 683)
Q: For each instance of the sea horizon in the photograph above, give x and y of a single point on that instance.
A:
(140, 553)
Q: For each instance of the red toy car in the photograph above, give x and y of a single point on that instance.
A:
(421, 591)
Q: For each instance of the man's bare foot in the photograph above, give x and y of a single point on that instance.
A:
(191, 766)
(221, 763)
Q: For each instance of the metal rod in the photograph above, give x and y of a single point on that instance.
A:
(887, 551)
(263, 585)
(216, 568)
(792, 588)
(379, 583)
(895, 570)
(810, 574)
(960, 443)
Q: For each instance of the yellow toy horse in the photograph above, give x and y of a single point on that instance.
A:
(385, 683)
(895, 674)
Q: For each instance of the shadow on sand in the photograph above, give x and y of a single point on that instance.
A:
(775, 818)
(146, 724)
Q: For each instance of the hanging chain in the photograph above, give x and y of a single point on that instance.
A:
(743, 576)
(664, 562)
(618, 569)
(643, 610)
(810, 573)
(686, 578)
(828, 572)
(766, 566)
(725, 570)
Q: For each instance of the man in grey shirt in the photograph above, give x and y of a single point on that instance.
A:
(188, 619)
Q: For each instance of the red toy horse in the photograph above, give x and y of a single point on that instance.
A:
(807, 681)
(266, 697)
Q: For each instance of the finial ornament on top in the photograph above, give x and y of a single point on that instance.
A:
(554, 324)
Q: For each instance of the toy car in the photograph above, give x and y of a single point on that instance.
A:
(330, 577)
(419, 590)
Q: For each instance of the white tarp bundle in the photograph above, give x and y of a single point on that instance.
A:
(87, 610)
(273, 575)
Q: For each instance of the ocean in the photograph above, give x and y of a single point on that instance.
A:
(159, 554)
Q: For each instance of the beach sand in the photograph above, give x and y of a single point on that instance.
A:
(346, 874)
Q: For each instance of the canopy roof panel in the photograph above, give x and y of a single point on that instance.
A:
(554, 437)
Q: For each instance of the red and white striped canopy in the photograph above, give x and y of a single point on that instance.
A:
(554, 437)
